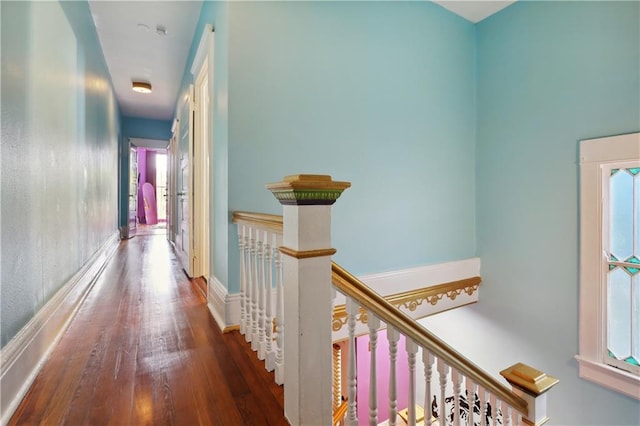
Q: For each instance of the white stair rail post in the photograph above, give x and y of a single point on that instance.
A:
(308, 302)
(530, 385)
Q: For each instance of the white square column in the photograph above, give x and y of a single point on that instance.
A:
(308, 302)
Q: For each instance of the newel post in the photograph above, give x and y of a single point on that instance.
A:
(532, 386)
(306, 244)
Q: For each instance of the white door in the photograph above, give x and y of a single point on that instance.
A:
(201, 173)
(171, 192)
(133, 191)
(184, 185)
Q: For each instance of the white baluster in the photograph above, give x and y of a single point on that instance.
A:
(483, 405)
(255, 316)
(506, 413)
(443, 370)
(352, 310)
(374, 325)
(249, 247)
(427, 360)
(243, 290)
(412, 350)
(268, 316)
(279, 370)
(261, 296)
(457, 389)
(393, 337)
(494, 409)
(471, 400)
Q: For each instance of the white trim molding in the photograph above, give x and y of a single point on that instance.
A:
(205, 48)
(597, 155)
(224, 307)
(421, 277)
(23, 357)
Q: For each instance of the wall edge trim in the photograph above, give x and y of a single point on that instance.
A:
(24, 355)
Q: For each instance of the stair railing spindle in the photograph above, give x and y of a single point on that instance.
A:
(412, 350)
(393, 336)
(268, 319)
(352, 310)
(374, 325)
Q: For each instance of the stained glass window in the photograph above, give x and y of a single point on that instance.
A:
(622, 230)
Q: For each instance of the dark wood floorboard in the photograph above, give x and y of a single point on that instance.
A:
(143, 349)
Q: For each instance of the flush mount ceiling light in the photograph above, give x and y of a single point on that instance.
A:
(141, 87)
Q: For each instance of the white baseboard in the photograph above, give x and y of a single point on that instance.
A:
(224, 307)
(24, 355)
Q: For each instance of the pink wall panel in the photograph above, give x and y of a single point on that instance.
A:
(363, 357)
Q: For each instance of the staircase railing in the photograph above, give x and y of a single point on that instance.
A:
(460, 392)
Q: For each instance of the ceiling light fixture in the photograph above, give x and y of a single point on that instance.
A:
(141, 87)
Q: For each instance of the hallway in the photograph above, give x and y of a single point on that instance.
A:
(143, 349)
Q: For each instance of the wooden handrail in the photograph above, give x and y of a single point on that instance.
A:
(352, 287)
(339, 413)
(270, 221)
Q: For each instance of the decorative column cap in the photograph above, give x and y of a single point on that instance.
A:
(307, 190)
(528, 379)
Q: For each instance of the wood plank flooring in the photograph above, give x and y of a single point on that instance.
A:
(144, 350)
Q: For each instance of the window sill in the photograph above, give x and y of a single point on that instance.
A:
(609, 377)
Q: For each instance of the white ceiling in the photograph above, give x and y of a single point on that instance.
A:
(474, 10)
(134, 50)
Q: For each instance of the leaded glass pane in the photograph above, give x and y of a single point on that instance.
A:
(621, 211)
(635, 350)
(636, 207)
(633, 270)
(619, 313)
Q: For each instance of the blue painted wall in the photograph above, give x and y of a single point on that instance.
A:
(377, 93)
(136, 127)
(549, 75)
(60, 130)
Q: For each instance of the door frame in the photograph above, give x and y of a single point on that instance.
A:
(202, 72)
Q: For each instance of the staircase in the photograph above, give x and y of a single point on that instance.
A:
(290, 314)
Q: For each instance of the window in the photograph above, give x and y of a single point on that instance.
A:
(610, 262)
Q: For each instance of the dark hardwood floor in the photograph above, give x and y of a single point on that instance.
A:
(144, 350)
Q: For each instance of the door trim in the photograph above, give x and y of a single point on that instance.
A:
(202, 72)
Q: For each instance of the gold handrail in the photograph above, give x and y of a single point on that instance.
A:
(352, 287)
(369, 299)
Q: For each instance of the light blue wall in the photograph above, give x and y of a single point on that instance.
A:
(379, 94)
(549, 74)
(136, 127)
(60, 128)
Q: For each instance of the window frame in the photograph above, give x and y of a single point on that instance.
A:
(594, 155)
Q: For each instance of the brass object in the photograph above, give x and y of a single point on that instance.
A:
(307, 253)
(308, 182)
(404, 414)
(527, 378)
